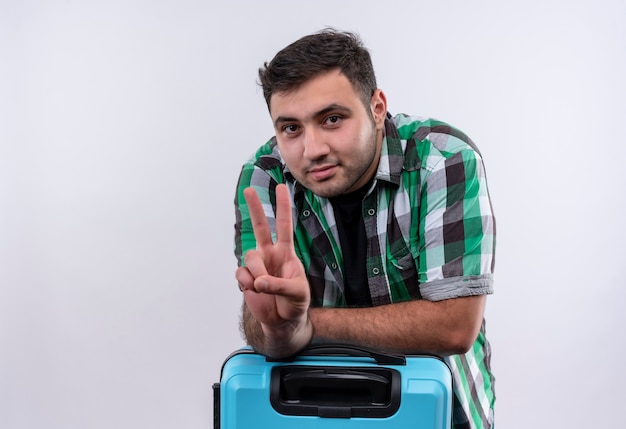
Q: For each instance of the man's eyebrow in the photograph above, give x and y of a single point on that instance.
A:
(334, 107)
(283, 119)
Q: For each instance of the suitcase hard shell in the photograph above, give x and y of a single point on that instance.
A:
(334, 387)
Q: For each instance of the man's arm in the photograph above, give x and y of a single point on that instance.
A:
(274, 284)
(442, 327)
(276, 343)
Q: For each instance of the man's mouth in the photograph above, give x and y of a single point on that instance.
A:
(322, 172)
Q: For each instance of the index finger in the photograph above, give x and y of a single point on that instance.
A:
(260, 226)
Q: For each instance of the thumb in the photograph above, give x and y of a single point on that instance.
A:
(289, 288)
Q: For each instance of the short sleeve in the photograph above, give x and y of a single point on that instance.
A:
(457, 228)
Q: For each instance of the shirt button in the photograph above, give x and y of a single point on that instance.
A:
(375, 271)
(306, 213)
(371, 212)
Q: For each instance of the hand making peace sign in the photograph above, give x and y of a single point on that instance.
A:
(273, 279)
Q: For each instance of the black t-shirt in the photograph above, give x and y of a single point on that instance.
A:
(353, 239)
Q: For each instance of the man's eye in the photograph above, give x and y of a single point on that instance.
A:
(333, 120)
(290, 129)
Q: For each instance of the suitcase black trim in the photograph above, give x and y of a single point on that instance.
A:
(381, 358)
(216, 405)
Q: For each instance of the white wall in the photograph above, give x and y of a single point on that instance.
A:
(122, 128)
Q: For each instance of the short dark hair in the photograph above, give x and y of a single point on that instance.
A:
(315, 54)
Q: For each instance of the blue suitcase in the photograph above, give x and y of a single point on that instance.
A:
(334, 387)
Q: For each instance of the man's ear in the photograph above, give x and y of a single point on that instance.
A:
(378, 106)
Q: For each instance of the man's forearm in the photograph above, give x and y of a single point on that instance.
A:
(277, 343)
(443, 328)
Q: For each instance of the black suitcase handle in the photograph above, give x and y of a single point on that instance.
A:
(381, 358)
(301, 386)
(335, 391)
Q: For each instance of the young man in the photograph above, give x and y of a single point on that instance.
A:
(358, 227)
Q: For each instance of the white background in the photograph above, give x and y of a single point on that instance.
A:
(123, 125)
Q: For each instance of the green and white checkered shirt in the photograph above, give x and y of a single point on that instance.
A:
(430, 233)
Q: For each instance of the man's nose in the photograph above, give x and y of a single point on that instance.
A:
(315, 146)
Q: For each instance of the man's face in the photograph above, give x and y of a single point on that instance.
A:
(328, 138)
